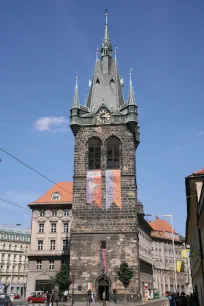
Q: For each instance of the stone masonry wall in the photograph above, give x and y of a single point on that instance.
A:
(90, 225)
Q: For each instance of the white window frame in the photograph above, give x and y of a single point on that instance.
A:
(66, 228)
(66, 212)
(42, 213)
(52, 245)
(41, 228)
(56, 196)
(51, 265)
(54, 212)
(53, 227)
(38, 264)
(40, 245)
(65, 244)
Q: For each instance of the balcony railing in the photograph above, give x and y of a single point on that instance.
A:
(13, 273)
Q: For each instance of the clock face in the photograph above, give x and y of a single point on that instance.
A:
(103, 116)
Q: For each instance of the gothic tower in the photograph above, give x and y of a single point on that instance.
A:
(104, 227)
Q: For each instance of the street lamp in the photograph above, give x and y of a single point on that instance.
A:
(73, 279)
(173, 246)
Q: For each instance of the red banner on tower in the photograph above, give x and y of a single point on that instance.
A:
(113, 188)
(93, 187)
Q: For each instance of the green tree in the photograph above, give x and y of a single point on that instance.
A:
(125, 275)
(62, 278)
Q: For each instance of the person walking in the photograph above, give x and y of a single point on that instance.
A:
(104, 298)
(48, 300)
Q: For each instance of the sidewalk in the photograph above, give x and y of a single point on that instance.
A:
(162, 300)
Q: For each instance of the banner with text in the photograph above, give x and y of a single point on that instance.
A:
(93, 187)
(113, 188)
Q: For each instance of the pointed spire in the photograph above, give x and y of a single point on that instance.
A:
(76, 95)
(131, 95)
(106, 48)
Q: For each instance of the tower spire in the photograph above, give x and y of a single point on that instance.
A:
(106, 48)
(131, 95)
(76, 95)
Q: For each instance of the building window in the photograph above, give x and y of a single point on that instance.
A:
(94, 153)
(103, 244)
(56, 196)
(4, 246)
(9, 246)
(52, 245)
(42, 213)
(2, 256)
(113, 153)
(54, 213)
(5, 236)
(53, 227)
(20, 258)
(66, 227)
(41, 228)
(66, 212)
(65, 245)
(16, 237)
(39, 265)
(51, 265)
(40, 244)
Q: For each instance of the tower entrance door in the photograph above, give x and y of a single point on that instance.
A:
(103, 285)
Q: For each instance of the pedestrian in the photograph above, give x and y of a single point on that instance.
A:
(104, 298)
(194, 300)
(89, 296)
(48, 300)
(183, 300)
(171, 299)
(94, 296)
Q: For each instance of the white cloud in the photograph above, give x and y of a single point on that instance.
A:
(54, 124)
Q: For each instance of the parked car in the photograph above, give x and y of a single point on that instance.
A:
(5, 300)
(37, 293)
(36, 299)
(16, 296)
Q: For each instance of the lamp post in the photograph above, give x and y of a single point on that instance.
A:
(73, 279)
(173, 246)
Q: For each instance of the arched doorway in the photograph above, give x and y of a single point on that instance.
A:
(103, 285)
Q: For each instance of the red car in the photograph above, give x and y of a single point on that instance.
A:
(16, 297)
(37, 299)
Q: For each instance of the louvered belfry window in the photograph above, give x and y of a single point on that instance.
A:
(113, 153)
(94, 153)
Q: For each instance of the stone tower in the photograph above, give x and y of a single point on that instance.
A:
(104, 227)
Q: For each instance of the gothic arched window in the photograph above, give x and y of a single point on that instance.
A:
(113, 153)
(94, 153)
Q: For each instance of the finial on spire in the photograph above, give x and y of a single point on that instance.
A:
(96, 54)
(106, 48)
(106, 10)
(115, 52)
(75, 103)
(131, 95)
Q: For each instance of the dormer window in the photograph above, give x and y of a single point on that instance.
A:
(56, 196)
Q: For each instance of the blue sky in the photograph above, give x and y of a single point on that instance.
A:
(43, 43)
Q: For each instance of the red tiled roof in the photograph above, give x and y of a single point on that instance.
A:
(162, 229)
(199, 172)
(65, 196)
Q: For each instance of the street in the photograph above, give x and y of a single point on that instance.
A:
(160, 302)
